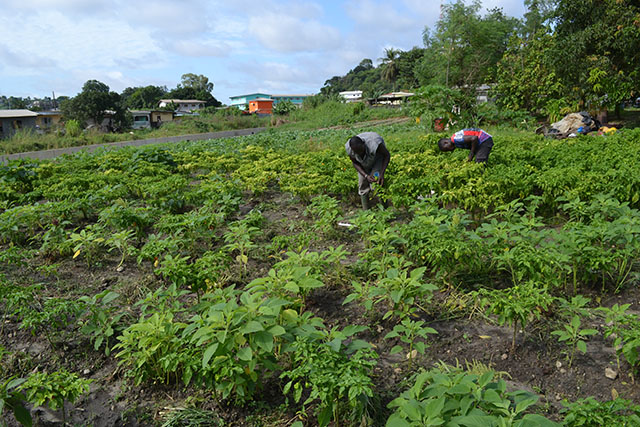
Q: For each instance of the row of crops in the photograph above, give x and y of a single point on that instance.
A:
(230, 244)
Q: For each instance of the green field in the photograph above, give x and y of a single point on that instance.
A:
(211, 283)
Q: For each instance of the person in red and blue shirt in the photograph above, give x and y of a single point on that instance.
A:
(477, 141)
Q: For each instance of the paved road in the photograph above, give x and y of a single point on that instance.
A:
(50, 154)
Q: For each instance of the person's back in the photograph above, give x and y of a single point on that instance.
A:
(476, 140)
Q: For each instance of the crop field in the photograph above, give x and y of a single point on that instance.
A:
(238, 282)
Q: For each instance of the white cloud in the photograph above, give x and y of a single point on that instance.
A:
(196, 48)
(21, 60)
(79, 43)
(378, 17)
(289, 34)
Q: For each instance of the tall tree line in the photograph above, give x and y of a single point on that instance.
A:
(561, 53)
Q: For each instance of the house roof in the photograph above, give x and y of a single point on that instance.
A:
(49, 113)
(183, 101)
(289, 96)
(262, 99)
(9, 114)
(249, 94)
(397, 95)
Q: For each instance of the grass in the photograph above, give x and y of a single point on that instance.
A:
(28, 140)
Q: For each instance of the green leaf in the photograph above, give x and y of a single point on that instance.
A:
(325, 415)
(395, 420)
(395, 349)
(245, 354)
(277, 330)
(473, 420)
(535, 420)
(264, 340)
(22, 414)
(581, 346)
(251, 326)
(208, 353)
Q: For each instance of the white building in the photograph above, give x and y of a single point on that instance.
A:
(352, 95)
(183, 105)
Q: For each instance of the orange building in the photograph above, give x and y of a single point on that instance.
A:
(261, 106)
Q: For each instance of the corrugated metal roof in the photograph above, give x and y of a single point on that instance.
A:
(10, 114)
(261, 99)
(290, 96)
(183, 101)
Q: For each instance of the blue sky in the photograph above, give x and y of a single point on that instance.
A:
(273, 46)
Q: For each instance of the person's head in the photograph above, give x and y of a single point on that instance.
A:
(445, 144)
(357, 145)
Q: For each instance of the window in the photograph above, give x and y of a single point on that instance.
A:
(140, 118)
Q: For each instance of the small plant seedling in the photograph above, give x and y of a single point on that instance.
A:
(574, 337)
(408, 331)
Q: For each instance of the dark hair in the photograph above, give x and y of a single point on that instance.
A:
(442, 143)
(356, 142)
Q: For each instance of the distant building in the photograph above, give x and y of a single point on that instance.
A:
(12, 121)
(145, 119)
(242, 101)
(48, 119)
(183, 105)
(352, 95)
(297, 100)
(261, 106)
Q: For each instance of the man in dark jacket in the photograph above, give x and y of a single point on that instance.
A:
(370, 159)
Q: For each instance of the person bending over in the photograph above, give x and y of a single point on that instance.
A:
(370, 159)
(476, 140)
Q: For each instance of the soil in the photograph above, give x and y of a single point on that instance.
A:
(536, 364)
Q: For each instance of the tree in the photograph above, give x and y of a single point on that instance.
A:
(283, 108)
(143, 97)
(525, 78)
(406, 65)
(465, 47)
(536, 17)
(602, 41)
(93, 103)
(390, 64)
(195, 86)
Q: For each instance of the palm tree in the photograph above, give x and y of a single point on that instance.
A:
(390, 64)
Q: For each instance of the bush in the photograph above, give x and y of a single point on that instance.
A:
(73, 129)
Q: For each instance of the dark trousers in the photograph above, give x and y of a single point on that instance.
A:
(482, 155)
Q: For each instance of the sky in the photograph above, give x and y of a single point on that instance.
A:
(275, 46)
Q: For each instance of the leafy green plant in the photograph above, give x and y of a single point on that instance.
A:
(88, 242)
(289, 283)
(153, 349)
(409, 331)
(12, 399)
(625, 327)
(102, 319)
(324, 209)
(337, 373)
(515, 305)
(574, 337)
(73, 128)
(122, 242)
(239, 240)
(50, 315)
(591, 413)
(53, 389)
(452, 396)
(234, 336)
(402, 292)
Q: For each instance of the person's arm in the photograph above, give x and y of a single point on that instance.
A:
(360, 169)
(473, 143)
(382, 149)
